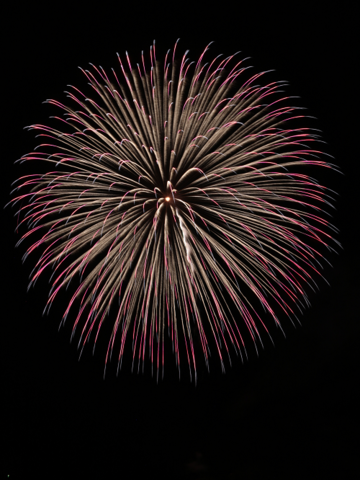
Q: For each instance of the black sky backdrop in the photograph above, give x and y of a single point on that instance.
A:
(290, 413)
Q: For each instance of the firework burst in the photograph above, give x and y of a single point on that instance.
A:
(174, 195)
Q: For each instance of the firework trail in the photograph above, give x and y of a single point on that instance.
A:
(173, 196)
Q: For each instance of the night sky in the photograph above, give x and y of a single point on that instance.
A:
(289, 413)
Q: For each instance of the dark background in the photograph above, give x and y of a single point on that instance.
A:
(290, 413)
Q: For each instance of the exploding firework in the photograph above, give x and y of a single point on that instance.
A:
(179, 201)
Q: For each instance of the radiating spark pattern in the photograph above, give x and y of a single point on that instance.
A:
(175, 195)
